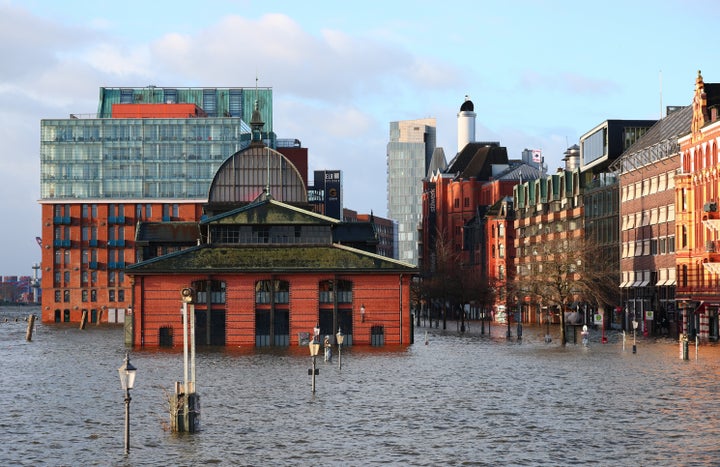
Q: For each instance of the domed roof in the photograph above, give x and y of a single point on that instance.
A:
(467, 106)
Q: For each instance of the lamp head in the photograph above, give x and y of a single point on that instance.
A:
(187, 294)
(127, 373)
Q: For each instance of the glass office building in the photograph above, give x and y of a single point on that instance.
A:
(101, 157)
(409, 154)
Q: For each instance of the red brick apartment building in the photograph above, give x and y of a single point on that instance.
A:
(468, 204)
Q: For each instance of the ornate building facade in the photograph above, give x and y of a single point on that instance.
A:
(697, 193)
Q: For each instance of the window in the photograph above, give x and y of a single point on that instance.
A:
(645, 218)
(683, 236)
(457, 202)
(501, 230)
(111, 295)
(217, 290)
(501, 250)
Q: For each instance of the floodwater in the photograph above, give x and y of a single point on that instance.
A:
(459, 400)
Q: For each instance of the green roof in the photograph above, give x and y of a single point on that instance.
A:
(270, 212)
(270, 258)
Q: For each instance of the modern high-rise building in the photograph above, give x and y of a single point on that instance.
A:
(149, 154)
(409, 156)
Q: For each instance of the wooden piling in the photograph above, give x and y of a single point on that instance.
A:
(83, 320)
(30, 326)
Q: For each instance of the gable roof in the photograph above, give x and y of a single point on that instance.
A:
(205, 259)
(269, 211)
(477, 159)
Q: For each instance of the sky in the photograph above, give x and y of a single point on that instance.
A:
(540, 73)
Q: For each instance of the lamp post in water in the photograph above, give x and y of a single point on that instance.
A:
(127, 381)
(314, 349)
(635, 325)
(548, 339)
(340, 338)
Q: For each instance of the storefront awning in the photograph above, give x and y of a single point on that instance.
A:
(712, 267)
(713, 224)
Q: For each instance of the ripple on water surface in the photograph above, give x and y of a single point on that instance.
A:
(472, 400)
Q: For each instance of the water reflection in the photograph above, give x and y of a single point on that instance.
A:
(471, 399)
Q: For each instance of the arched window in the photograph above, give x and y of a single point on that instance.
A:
(217, 291)
(341, 287)
(280, 289)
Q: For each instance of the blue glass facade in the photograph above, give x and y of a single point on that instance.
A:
(147, 158)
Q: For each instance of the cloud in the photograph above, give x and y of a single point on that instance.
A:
(331, 66)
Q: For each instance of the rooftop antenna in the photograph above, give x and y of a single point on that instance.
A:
(267, 148)
(661, 104)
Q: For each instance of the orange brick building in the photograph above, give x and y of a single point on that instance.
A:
(268, 273)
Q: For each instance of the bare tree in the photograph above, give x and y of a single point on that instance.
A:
(569, 269)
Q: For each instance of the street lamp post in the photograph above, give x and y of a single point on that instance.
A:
(340, 338)
(127, 381)
(314, 349)
(548, 339)
(635, 325)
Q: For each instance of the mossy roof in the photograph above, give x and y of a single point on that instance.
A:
(269, 258)
(269, 212)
